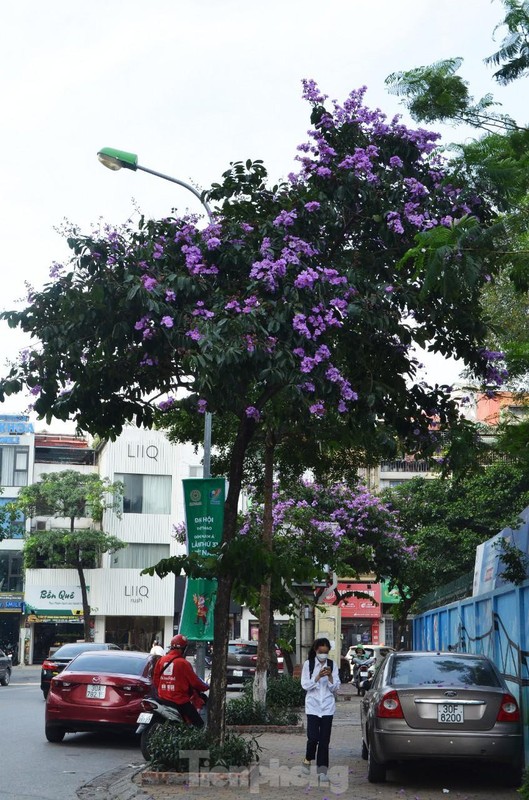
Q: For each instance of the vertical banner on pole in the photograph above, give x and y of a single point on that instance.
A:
(204, 505)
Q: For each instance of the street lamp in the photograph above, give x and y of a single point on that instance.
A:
(119, 159)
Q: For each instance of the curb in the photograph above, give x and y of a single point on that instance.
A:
(266, 728)
(117, 784)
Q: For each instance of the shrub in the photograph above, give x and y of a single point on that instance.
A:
(244, 711)
(285, 692)
(523, 791)
(282, 692)
(169, 739)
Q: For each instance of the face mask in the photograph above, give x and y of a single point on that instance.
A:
(321, 656)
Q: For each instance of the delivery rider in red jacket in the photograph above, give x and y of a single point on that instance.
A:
(176, 682)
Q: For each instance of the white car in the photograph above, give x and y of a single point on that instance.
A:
(378, 651)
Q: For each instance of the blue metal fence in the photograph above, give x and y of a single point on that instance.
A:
(495, 624)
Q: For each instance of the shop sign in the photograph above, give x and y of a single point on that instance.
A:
(56, 618)
(11, 603)
(352, 606)
(204, 504)
(13, 424)
(390, 595)
(54, 598)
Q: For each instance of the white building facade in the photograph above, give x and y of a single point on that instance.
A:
(128, 608)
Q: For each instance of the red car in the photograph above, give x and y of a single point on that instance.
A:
(98, 691)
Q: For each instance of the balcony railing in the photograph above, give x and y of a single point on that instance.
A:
(401, 465)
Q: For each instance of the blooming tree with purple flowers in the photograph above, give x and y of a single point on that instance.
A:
(309, 295)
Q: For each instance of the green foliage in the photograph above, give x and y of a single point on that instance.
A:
(281, 692)
(435, 93)
(514, 563)
(523, 791)
(64, 548)
(513, 55)
(245, 711)
(71, 495)
(443, 521)
(169, 739)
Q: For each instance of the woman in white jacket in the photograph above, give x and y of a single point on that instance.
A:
(320, 680)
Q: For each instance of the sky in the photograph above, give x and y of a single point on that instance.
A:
(189, 85)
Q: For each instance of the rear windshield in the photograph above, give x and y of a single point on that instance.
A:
(122, 665)
(243, 649)
(72, 650)
(442, 670)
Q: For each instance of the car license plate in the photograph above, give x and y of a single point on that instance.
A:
(144, 718)
(96, 692)
(238, 673)
(450, 713)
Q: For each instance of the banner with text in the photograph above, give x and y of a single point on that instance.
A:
(204, 504)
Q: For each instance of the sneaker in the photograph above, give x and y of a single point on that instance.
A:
(305, 768)
(324, 779)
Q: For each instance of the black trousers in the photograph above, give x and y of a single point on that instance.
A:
(318, 738)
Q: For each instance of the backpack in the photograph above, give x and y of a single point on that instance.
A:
(312, 662)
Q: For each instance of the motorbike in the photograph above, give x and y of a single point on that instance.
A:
(156, 713)
(361, 674)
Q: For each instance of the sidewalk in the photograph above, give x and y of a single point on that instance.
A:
(280, 761)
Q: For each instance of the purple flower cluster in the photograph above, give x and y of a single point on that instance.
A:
(201, 311)
(165, 405)
(253, 413)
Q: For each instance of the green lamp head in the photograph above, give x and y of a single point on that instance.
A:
(116, 159)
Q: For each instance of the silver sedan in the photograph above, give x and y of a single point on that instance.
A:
(440, 706)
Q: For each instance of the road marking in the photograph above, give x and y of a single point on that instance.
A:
(12, 683)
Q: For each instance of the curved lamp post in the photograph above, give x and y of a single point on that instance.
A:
(120, 159)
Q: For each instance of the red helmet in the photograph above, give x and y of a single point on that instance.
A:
(179, 642)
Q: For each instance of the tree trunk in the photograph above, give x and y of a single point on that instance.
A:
(263, 659)
(84, 592)
(217, 695)
(272, 655)
(403, 610)
(86, 606)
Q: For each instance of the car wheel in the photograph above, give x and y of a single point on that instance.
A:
(54, 734)
(376, 772)
(145, 740)
(7, 677)
(364, 750)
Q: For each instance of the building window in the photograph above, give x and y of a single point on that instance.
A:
(145, 494)
(14, 466)
(12, 528)
(139, 556)
(196, 471)
(10, 571)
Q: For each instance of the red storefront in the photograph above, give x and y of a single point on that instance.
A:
(360, 615)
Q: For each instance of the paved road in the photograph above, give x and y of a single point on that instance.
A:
(33, 769)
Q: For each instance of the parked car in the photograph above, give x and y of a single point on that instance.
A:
(5, 668)
(61, 657)
(99, 690)
(439, 706)
(378, 651)
(242, 659)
